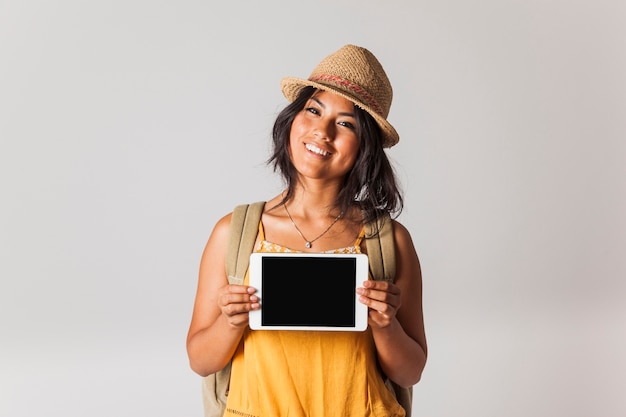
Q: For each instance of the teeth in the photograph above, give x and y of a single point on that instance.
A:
(317, 150)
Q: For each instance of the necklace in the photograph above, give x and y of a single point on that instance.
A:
(309, 243)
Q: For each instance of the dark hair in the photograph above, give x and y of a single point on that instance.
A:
(370, 184)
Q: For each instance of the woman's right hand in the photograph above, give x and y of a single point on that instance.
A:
(235, 303)
(220, 312)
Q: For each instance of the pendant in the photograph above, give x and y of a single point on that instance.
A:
(308, 245)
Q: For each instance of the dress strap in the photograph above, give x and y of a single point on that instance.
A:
(359, 238)
(261, 231)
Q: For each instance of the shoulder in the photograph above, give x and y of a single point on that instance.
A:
(218, 238)
(401, 234)
(220, 230)
(405, 248)
(240, 214)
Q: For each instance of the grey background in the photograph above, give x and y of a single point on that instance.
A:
(127, 128)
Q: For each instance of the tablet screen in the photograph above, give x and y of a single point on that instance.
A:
(308, 291)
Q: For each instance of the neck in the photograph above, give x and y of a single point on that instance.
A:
(314, 199)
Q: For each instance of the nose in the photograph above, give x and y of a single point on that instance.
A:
(324, 129)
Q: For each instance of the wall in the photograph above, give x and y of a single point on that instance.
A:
(127, 128)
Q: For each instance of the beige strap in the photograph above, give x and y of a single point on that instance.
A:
(381, 249)
(244, 226)
(382, 260)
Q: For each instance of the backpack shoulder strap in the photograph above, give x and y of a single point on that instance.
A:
(381, 252)
(244, 226)
(381, 249)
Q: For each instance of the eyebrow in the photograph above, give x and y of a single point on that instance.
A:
(322, 105)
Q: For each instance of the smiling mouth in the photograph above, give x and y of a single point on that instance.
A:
(316, 150)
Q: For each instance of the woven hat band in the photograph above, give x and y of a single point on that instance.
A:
(358, 91)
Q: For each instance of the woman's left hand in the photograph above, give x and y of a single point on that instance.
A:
(383, 299)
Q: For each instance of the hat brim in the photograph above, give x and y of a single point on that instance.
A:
(292, 86)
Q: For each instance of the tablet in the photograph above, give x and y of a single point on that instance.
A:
(308, 291)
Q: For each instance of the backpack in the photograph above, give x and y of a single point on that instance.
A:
(242, 235)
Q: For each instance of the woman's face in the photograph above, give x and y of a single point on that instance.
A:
(323, 140)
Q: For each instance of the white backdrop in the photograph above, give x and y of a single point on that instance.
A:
(127, 128)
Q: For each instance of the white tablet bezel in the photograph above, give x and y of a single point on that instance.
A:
(256, 282)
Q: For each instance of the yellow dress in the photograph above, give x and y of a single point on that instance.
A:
(308, 373)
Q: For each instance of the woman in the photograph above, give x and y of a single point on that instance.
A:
(328, 145)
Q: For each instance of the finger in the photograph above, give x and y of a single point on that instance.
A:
(232, 310)
(381, 286)
(386, 310)
(240, 289)
(238, 320)
(383, 296)
(234, 298)
(237, 309)
(379, 318)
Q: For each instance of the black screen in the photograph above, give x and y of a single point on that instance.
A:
(308, 291)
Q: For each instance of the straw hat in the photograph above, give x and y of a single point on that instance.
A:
(353, 73)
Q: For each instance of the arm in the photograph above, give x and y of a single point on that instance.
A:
(220, 313)
(396, 316)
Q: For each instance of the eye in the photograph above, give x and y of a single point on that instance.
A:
(346, 124)
(312, 110)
